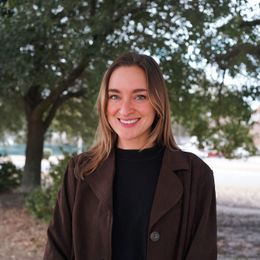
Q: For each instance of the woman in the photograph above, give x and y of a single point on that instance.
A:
(134, 195)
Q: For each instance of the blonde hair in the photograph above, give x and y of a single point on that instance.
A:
(161, 132)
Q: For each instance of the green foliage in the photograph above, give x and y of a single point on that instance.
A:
(232, 135)
(38, 203)
(41, 201)
(81, 123)
(10, 176)
(53, 54)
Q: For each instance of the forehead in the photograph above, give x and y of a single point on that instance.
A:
(127, 77)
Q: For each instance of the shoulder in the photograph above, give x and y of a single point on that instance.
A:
(80, 158)
(189, 165)
(185, 160)
(196, 162)
(195, 174)
(78, 162)
(88, 163)
(200, 172)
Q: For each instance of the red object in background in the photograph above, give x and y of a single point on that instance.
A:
(214, 153)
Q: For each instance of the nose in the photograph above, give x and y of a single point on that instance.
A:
(126, 108)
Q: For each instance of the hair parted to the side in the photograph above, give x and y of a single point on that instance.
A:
(161, 132)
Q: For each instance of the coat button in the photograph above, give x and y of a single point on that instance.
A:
(155, 236)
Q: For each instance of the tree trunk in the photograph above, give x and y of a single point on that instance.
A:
(34, 153)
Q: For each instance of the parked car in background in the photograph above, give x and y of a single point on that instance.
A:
(214, 153)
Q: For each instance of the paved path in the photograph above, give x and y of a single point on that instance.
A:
(238, 199)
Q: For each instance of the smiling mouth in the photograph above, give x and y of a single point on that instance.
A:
(128, 121)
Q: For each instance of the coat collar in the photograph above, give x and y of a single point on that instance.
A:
(101, 181)
(169, 187)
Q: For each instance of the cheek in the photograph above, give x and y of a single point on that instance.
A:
(149, 110)
(111, 109)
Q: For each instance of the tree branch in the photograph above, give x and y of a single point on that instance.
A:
(232, 53)
(62, 86)
(249, 23)
(52, 112)
(93, 4)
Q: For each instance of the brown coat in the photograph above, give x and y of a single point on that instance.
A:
(182, 221)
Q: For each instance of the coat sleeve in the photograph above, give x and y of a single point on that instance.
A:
(203, 244)
(59, 233)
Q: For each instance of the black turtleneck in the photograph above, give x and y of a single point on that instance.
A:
(134, 187)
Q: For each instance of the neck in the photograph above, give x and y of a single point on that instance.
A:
(134, 146)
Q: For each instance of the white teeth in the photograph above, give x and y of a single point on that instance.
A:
(128, 121)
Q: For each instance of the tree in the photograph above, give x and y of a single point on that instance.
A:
(234, 50)
(54, 52)
(213, 101)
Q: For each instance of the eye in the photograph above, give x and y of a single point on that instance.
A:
(113, 97)
(140, 97)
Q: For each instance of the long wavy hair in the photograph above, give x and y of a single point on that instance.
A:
(161, 131)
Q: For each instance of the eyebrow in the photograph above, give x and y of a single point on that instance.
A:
(134, 91)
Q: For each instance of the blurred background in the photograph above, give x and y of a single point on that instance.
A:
(52, 58)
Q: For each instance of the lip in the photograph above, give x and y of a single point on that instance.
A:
(128, 122)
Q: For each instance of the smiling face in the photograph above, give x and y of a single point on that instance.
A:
(129, 110)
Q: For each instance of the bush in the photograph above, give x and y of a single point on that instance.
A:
(10, 176)
(40, 202)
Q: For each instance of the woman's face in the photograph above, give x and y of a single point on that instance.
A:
(129, 111)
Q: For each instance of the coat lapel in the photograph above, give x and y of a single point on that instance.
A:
(169, 187)
(101, 181)
(168, 191)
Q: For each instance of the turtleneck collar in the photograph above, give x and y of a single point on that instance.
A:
(139, 155)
